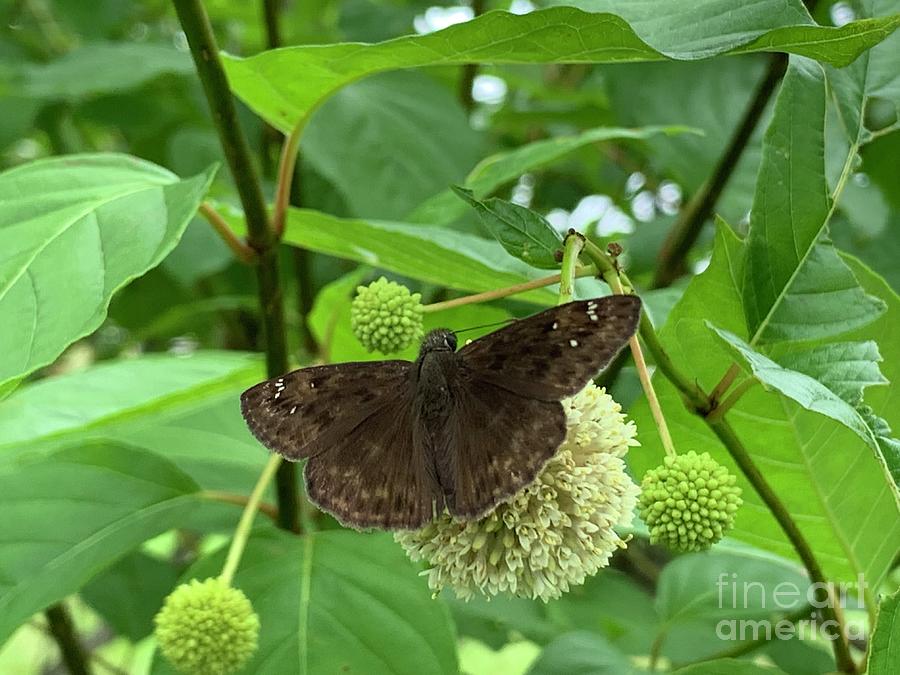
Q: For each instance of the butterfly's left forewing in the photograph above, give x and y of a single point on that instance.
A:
(303, 412)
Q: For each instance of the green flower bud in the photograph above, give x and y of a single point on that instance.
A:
(689, 502)
(207, 628)
(386, 317)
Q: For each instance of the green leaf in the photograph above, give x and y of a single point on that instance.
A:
(130, 592)
(730, 666)
(554, 35)
(338, 601)
(795, 286)
(524, 234)
(808, 392)
(74, 230)
(503, 167)
(98, 68)
(702, 597)
(581, 653)
(434, 254)
(884, 652)
(827, 478)
(117, 394)
(71, 514)
(846, 368)
(406, 116)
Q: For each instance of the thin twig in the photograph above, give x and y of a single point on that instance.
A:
(572, 247)
(63, 632)
(720, 408)
(286, 166)
(727, 380)
(239, 500)
(243, 252)
(205, 51)
(497, 293)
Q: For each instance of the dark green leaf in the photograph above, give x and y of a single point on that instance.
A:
(554, 35)
(128, 594)
(522, 232)
(503, 167)
(730, 666)
(405, 116)
(846, 368)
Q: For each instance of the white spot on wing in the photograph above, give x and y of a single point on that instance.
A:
(312, 385)
(573, 343)
(555, 325)
(293, 410)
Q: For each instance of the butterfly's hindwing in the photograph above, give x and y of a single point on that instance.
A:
(303, 412)
(376, 475)
(555, 353)
(499, 441)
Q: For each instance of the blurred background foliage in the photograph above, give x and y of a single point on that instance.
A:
(112, 76)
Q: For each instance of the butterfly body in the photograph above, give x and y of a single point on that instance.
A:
(390, 444)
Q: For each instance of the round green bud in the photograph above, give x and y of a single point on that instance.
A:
(689, 502)
(386, 317)
(207, 628)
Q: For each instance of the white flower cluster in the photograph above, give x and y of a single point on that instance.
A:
(555, 532)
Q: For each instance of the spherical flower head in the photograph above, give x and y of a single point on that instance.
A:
(207, 628)
(689, 502)
(386, 317)
(555, 532)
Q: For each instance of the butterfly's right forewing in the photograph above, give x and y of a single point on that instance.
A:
(554, 354)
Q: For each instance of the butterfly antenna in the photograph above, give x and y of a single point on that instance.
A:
(486, 325)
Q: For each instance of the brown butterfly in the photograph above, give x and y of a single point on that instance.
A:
(390, 444)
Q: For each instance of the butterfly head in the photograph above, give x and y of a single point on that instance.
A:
(439, 340)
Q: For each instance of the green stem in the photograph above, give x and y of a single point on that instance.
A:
(239, 500)
(242, 532)
(63, 632)
(698, 402)
(719, 409)
(497, 293)
(571, 250)
(610, 274)
(260, 236)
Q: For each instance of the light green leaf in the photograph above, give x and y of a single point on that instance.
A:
(98, 68)
(827, 478)
(118, 394)
(524, 233)
(581, 653)
(808, 392)
(338, 601)
(504, 167)
(884, 652)
(434, 254)
(795, 286)
(554, 35)
(846, 368)
(73, 231)
(730, 666)
(71, 514)
(406, 116)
